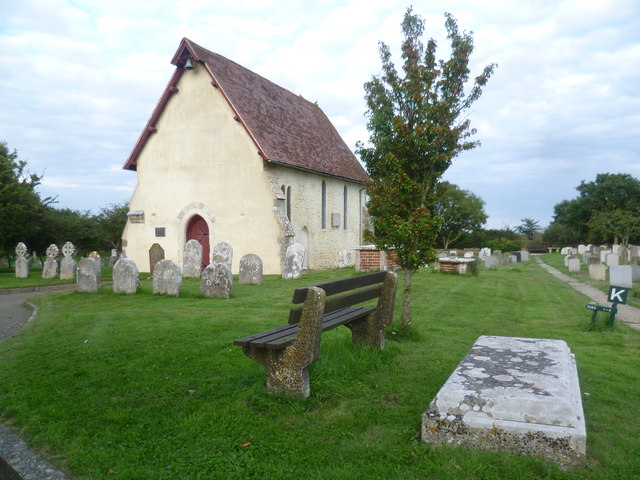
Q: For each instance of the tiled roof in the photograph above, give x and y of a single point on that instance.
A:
(286, 128)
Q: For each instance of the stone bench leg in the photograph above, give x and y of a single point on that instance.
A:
(287, 370)
(370, 330)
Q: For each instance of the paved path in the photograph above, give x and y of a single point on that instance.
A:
(626, 313)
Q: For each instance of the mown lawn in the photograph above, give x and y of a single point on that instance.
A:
(150, 387)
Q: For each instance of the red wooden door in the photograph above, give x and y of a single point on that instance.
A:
(198, 229)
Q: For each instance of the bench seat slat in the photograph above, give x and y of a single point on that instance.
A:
(339, 286)
(339, 303)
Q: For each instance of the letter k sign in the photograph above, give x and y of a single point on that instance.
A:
(618, 295)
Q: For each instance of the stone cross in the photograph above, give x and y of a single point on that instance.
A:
(67, 264)
(250, 269)
(125, 276)
(216, 281)
(22, 264)
(192, 259)
(50, 269)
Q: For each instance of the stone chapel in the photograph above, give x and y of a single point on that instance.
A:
(229, 156)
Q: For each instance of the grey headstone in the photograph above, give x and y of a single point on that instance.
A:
(156, 253)
(293, 261)
(125, 276)
(615, 248)
(50, 269)
(585, 258)
(68, 264)
(22, 264)
(574, 264)
(524, 255)
(216, 281)
(88, 276)
(621, 276)
(346, 258)
(613, 259)
(250, 269)
(167, 278)
(192, 259)
(223, 253)
(491, 261)
(603, 255)
(635, 273)
(598, 271)
(594, 259)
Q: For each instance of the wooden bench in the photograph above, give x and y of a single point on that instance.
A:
(286, 352)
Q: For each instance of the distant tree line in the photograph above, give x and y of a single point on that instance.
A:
(27, 217)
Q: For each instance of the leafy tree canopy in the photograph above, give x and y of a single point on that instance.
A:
(461, 212)
(529, 227)
(416, 128)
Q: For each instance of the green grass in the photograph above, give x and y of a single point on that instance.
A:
(151, 387)
(8, 278)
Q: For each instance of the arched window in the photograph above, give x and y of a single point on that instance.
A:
(324, 204)
(344, 207)
(289, 202)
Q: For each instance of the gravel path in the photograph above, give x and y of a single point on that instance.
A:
(626, 313)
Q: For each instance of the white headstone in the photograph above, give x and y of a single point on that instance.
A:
(50, 269)
(615, 248)
(524, 255)
(192, 259)
(250, 270)
(216, 281)
(582, 249)
(613, 259)
(598, 271)
(573, 264)
(621, 276)
(22, 264)
(346, 258)
(484, 253)
(293, 261)
(603, 255)
(125, 276)
(87, 276)
(167, 278)
(491, 261)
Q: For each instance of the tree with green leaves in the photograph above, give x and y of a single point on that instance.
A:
(417, 126)
(617, 225)
(461, 212)
(20, 204)
(529, 227)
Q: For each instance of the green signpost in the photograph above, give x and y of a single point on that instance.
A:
(617, 295)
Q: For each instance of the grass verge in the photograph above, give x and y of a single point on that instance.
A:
(151, 387)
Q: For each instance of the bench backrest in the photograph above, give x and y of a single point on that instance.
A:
(367, 287)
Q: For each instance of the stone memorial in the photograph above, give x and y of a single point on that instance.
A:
(250, 270)
(125, 276)
(524, 255)
(68, 263)
(615, 248)
(50, 269)
(573, 264)
(96, 256)
(565, 250)
(603, 255)
(593, 260)
(585, 258)
(468, 254)
(293, 261)
(621, 276)
(443, 255)
(223, 253)
(566, 259)
(484, 253)
(22, 264)
(597, 271)
(114, 256)
(156, 253)
(509, 393)
(346, 258)
(635, 273)
(613, 259)
(87, 276)
(192, 259)
(491, 261)
(216, 281)
(167, 278)
(582, 249)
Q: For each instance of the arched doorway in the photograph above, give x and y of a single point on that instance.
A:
(197, 229)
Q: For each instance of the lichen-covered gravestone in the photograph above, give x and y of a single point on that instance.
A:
(223, 253)
(22, 264)
(125, 276)
(216, 281)
(67, 264)
(96, 256)
(167, 278)
(293, 261)
(573, 263)
(87, 276)
(156, 253)
(192, 259)
(50, 269)
(250, 269)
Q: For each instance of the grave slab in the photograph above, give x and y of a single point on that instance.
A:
(509, 393)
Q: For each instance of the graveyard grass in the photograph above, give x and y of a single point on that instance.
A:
(151, 387)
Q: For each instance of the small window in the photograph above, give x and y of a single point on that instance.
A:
(289, 203)
(344, 208)
(324, 204)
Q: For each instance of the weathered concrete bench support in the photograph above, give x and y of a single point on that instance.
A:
(287, 370)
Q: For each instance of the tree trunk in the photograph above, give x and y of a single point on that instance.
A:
(406, 298)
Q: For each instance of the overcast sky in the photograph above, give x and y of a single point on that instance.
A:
(80, 78)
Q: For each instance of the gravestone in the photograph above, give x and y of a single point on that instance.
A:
(167, 278)
(524, 255)
(518, 256)
(574, 264)
(485, 253)
(453, 254)
(50, 269)
(114, 256)
(491, 261)
(582, 249)
(250, 270)
(511, 393)
(443, 255)
(192, 259)
(635, 273)
(87, 276)
(125, 276)
(594, 260)
(565, 250)
(156, 253)
(293, 261)
(634, 251)
(22, 264)
(621, 276)
(603, 255)
(96, 256)
(585, 258)
(597, 271)
(615, 248)
(68, 264)
(216, 281)
(223, 253)
(595, 250)
(346, 258)
(468, 254)
(613, 259)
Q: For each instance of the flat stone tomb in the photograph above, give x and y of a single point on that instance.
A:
(508, 393)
